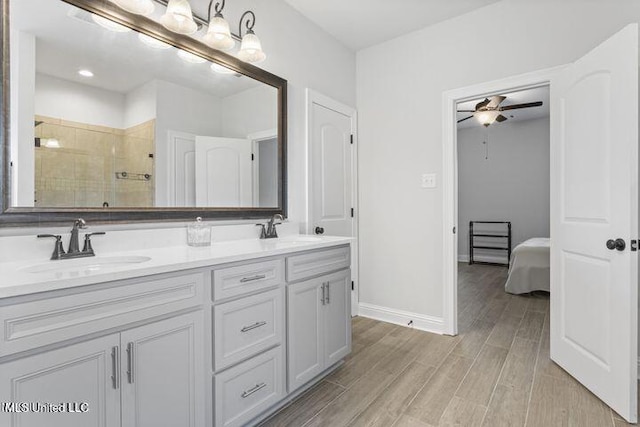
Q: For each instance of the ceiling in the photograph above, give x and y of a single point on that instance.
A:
(67, 40)
(520, 97)
(362, 23)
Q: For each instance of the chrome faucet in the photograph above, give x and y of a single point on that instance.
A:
(73, 250)
(269, 230)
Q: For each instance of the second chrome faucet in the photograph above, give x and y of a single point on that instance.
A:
(73, 250)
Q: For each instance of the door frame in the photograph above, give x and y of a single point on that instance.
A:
(314, 97)
(256, 138)
(450, 174)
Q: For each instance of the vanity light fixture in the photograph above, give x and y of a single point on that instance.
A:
(190, 57)
(179, 18)
(139, 7)
(85, 73)
(218, 34)
(153, 42)
(221, 69)
(109, 24)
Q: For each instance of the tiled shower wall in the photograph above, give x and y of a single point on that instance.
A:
(81, 172)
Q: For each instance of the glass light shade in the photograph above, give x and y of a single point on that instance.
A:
(251, 48)
(190, 57)
(487, 117)
(218, 35)
(153, 42)
(179, 18)
(221, 69)
(109, 24)
(139, 7)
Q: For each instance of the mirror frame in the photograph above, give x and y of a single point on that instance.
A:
(31, 216)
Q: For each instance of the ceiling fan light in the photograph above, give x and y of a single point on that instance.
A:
(109, 24)
(139, 7)
(251, 48)
(218, 34)
(178, 17)
(486, 117)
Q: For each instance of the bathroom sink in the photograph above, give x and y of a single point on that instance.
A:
(85, 265)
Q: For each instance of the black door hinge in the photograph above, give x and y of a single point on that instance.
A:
(352, 213)
(252, 157)
(352, 286)
(351, 138)
(634, 245)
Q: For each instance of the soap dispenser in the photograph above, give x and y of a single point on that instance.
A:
(198, 233)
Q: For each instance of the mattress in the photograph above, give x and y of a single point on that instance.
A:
(529, 267)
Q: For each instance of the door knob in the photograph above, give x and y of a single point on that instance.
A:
(617, 244)
(319, 230)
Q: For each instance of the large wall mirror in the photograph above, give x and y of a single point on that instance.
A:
(120, 119)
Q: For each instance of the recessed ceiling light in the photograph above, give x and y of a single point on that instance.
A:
(109, 24)
(85, 73)
(190, 57)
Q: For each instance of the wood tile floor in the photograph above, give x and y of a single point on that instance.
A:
(496, 372)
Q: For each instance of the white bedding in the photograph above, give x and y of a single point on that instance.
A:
(529, 267)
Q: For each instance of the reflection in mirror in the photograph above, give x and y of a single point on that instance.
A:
(105, 117)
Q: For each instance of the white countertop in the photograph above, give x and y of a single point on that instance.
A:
(15, 280)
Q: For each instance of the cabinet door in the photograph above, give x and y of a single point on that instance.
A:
(305, 332)
(163, 373)
(79, 373)
(337, 317)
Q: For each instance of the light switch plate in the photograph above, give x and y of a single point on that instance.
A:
(428, 180)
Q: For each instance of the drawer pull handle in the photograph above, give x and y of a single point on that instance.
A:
(254, 326)
(252, 390)
(253, 278)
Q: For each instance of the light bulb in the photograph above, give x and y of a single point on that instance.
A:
(251, 48)
(178, 17)
(221, 69)
(218, 34)
(85, 73)
(487, 117)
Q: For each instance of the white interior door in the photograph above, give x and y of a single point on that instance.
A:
(183, 164)
(332, 171)
(332, 174)
(223, 172)
(594, 300)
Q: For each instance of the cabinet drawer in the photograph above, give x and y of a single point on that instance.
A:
(244, 391)
(242, 279)
(37, 323)
(311, 264)
(245, 327)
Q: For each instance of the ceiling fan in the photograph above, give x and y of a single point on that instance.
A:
(489, 110)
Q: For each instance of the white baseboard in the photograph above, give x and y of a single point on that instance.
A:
(402, 318)
(483, 258)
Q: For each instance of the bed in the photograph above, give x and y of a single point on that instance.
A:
(529, 267)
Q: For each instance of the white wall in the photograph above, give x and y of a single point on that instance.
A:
(22, 132)
(78, 102)
(252, 110)
(400, 85)
(140, 104)
(184, 110)
(512, 184)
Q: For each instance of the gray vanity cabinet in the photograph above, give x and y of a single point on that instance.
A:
(318, 326)
(76, 373)
(162, 373)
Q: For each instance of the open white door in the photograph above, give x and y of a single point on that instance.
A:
(223, 172)
(594, 201)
